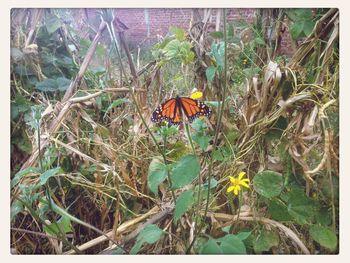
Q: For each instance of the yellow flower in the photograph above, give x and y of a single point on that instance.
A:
(236, 183)
(196, 95)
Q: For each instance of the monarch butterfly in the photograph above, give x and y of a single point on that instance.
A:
(172, 110)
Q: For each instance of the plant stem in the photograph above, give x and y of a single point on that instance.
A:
(189, 137)
(218, 124)
(114, 39)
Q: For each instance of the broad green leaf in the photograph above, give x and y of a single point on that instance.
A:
(52, 24)
(116, 103)
(49, 173)
(324, 217)
(202, 140)
(150, 234)
(218, 52)
(308, 27)
(60, 84)
(16, 207)
(184, 171)
(324, 236)
(231, 244)
(63, 83)
(183, 203)
(47, 85)
(22, 173)
(199, 125)
(84, 46)
(268, 183)
(178, 32)
(226, 229)
(157, 172)
(136, 248)
(22, 141)
(300, 207)
(118, 251)
(259, 41)
(217, 34)
(217, 155)
(265, 241)
(210, 247)
(64, 224)
(98, 70)
(243, 235)
(16, 54)
(213, 184)
(278, 210)
(210, 73)
(23, 71)
(296, 29)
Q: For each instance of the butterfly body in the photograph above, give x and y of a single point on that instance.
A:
(173, 110)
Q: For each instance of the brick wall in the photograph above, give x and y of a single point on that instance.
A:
(160, 20)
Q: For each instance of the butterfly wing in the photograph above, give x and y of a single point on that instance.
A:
(194, 108)
(169, 111)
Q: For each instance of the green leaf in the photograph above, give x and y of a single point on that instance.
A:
(324, 217)
(116, 103)
(218, 52)
(243, 235)
(22, 173)
(178, 32)
(16, 208)
(265, 241)
(52, 85)
(157, 172)
(300, 207)
(202, 140)
(52, 24)
(217, 34)
(183, 203)
(210, 247)
(268, 183)
(324, 236)
(23, 71)
(150, 234)
(84, 46)
(308, 27)
(278, 210)
(231, 244)
(259, 41)
(16, 54)
(210, 73)
(47, 85)
(296, 29)
(213, 184)
(98, 70)
(136, 248)
(217, 155)
(64, 224)
(49, 173)
(226, 229)
(184, 171)
(63, 83)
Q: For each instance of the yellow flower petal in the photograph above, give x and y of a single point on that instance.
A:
(230, 189)
(232, 179)
(236, 189)
(240, 176)
(244, 184)
(196, 95)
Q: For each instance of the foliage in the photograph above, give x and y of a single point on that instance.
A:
(104, 170)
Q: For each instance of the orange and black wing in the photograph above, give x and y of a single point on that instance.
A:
(194, 108)
(169, 111)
